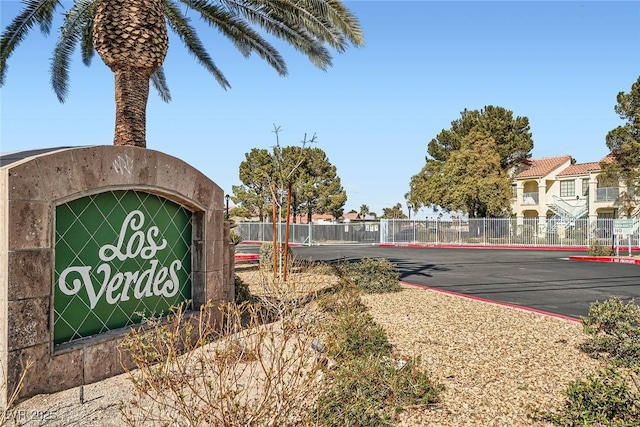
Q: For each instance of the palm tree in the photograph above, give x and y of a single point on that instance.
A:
(364, 211)
(131, 38)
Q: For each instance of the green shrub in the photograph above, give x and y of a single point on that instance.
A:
(596, 249)
(614, 330)
(603, 399)
(345, 299)
(353, 333)
(242, 292)
(234, 237)
(371, 391)
(373, 276)
(606, 398)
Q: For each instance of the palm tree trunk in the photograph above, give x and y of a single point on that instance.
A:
(131, 38)
(132, 92)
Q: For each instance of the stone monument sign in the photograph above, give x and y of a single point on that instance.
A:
(92, 240)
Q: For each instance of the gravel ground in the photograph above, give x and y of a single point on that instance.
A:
(498, 364)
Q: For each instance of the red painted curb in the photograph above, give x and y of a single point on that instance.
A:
(613, 259)
(488, 301)
(509, 247)
(239, 258)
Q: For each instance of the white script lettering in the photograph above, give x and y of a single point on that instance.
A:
(155, 280)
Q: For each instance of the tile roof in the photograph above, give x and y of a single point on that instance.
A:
(544, 166)
(608, 159)
(585, 168)
(581, 169)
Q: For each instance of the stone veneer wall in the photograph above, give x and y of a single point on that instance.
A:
(30, 189)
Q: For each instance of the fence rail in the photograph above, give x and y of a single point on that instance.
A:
(482, 231)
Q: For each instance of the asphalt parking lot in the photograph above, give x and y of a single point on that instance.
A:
(541, 280)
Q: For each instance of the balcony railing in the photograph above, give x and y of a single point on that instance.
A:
(607, 194)
(529, 198)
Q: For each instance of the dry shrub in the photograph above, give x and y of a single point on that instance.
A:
(5, 412)
(249, 373)
(277, 361)
(596, 249)
(279, 296)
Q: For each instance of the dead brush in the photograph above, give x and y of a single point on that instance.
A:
(303, 284)
(12, 398)
(241, 371)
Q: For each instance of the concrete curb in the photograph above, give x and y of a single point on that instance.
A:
(492, 302)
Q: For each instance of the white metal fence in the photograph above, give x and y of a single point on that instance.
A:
(482, 231)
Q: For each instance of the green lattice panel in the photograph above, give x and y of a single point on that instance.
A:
(118, 256)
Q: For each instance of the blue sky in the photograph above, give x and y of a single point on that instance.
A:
(561, 64)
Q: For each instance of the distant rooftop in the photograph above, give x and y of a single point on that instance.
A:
(581, 169)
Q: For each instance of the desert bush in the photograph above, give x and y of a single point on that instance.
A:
(614, 331)
(606, 398)
(344, 299)
(266, 256)
(596, 249)
(277, 295)
(611, 396)
(273, 361)
(354, 334)
(371, 275)
(249, 373)
(371, 391)
(367, 385)
(350, 331)
(241, 290)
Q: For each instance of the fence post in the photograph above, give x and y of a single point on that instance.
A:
(484, 231)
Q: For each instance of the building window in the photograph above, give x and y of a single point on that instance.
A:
(585, 186)
(514, 191)
(567, 188)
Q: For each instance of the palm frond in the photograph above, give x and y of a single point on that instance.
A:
(307, 17)
(86, 42)
(341, 18)
(34, 12)
(181, 26)
(160, 83)
(239, 32)
(72, 31)
(305, 28)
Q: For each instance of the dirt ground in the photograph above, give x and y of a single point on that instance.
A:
(498, 364)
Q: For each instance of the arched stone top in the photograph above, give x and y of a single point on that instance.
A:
(71, 173)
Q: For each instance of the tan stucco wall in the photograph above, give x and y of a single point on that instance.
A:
(30, 190)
